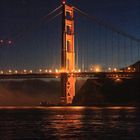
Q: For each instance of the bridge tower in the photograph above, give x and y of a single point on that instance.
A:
(67, 55)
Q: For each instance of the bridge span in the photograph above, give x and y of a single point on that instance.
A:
(75, 45)
(112, 75)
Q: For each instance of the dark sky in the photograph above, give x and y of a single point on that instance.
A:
(123, 14)
(21, 22)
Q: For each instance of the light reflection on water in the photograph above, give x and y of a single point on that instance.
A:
(35, 123)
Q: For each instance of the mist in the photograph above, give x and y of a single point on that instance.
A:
(28, 92)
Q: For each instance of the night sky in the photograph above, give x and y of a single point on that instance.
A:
(36, 44)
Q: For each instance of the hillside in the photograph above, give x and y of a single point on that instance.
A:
(109, 92)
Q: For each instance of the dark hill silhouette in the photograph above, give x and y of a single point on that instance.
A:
(134, 67)
(109, 92)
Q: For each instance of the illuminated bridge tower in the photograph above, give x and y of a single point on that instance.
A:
(68, 55)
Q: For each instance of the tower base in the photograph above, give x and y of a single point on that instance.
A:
(68, 88)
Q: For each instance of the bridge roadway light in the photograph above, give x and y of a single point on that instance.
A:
(10, 71)
(56, 70)
(129, 68)
(79, 70)
(25, 71)
(31, 71)
(97, 69)
(134, 69)
(40, 70)
(16, 71)
(1, 72)
(46, 70)
(50, 71)
(115, 69)
(109, 69)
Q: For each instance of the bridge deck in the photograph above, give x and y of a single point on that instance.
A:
(78, 74)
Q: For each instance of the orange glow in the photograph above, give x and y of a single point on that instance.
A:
(97, 69)
(62, 70)
(78, 107)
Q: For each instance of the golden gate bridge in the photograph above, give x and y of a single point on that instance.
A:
(98, 50)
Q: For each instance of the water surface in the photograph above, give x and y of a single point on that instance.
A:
(83, 123)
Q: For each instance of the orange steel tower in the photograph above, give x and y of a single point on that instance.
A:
(68, 55)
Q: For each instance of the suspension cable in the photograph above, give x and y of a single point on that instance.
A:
(52, 12)
(106, 25)
(43, 20)
(53, 17)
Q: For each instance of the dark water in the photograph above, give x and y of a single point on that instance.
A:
(83, 123)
